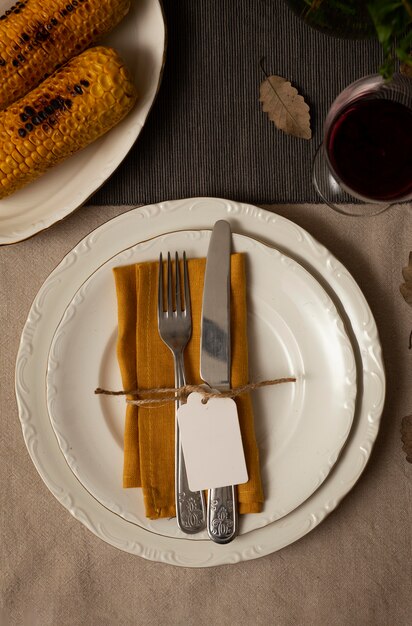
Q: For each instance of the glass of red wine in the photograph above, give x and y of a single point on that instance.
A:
(364, 164)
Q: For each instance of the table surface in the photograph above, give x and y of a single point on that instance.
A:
(355, 567)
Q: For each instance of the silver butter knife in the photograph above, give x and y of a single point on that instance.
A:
(215, 364)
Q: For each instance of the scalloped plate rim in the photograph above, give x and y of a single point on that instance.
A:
(275, 231)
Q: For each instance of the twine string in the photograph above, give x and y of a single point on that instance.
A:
(159, 395)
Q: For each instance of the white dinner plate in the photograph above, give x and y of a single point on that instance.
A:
(140, 225)
(140, 39)
(294, 330)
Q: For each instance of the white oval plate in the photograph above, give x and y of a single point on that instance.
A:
(140, 39)
(140, 225)
(294, 330)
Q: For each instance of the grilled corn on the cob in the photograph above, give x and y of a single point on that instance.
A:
(38, 36)
(69, 110)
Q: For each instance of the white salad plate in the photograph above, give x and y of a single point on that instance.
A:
(294, 330)
(140, 39)
(144, 224)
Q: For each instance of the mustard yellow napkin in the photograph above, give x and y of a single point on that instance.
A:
(145, 362)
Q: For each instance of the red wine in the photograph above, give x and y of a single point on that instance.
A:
(369, 146)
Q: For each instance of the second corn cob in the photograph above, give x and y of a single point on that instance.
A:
(38, 36)
(72, 108)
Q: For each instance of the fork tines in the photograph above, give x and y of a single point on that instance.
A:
(173, 278)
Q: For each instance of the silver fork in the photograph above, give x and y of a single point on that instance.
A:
(175, 329)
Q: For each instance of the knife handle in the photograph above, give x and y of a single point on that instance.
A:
(190, 505)
(222, 515)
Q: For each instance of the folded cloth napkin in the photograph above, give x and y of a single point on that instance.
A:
(146, 362)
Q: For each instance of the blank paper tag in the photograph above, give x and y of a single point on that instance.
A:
(211, 442)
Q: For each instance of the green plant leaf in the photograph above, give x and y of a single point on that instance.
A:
(392, 20)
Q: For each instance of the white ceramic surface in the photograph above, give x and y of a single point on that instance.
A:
(140, 225)
(140, 39)
(294, 330)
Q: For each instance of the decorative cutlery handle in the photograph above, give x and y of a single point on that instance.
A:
(190, 505)
(222, 516)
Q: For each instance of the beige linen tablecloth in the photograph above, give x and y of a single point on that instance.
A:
(353, 569)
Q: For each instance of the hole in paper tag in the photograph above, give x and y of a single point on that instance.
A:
(211, 442)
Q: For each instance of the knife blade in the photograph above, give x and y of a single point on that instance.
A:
(215, 365)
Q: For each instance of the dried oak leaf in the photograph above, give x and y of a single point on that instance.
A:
(406, 287)
(285, 107)
(406, 436)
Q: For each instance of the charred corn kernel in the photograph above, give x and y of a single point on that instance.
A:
(61, 116)
(38, 36)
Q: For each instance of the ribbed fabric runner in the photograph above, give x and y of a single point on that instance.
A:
(206, 134)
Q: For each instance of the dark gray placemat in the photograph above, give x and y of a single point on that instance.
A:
(206, 134)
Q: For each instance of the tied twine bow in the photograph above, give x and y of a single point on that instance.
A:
(172, 394)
